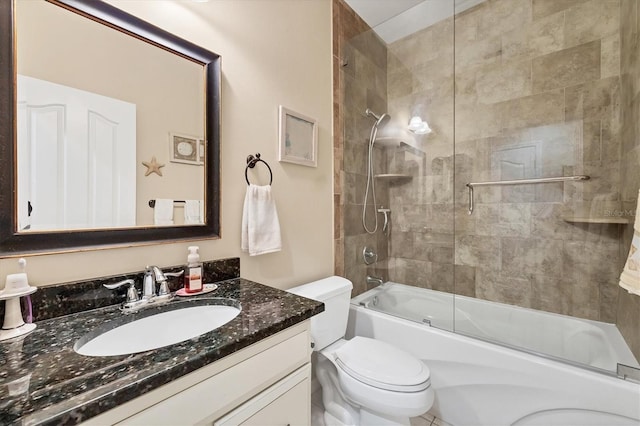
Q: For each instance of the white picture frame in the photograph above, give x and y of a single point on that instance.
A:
(201, 151)
(184, 148)
(298, 135)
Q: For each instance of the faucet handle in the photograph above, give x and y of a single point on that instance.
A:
(163, 290)
(132, 293)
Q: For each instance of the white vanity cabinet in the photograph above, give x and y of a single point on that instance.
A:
(267, 383)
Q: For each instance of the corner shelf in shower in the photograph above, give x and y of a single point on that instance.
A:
(598, 219)
(393, 177)
(388, 142)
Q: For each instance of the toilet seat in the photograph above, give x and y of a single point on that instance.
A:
(382, 366)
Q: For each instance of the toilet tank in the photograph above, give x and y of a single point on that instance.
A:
(330, 325)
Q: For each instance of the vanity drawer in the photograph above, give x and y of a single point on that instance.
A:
(285, 403)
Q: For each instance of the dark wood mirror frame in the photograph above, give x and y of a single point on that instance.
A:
(13, 243)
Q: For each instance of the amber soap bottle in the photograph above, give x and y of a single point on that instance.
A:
(193, 275)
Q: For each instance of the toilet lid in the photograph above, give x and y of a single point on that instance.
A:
(381, 365)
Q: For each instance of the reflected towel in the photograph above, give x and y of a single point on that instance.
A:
(260, 226)
(163, 212)
(630, 277)
(193, 210)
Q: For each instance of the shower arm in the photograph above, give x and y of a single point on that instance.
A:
(471, 185)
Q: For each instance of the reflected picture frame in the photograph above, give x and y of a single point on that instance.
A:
(298, 136)
(184, 148)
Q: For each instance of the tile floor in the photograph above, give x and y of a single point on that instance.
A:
(317, 418)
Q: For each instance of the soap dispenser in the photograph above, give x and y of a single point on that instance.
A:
(16, 286)
(193, 275)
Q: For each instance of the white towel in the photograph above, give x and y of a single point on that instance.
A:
(163, 212)
(630, 277)
(193, 210)
(260, 226)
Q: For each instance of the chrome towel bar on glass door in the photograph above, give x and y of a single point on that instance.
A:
(470, 185)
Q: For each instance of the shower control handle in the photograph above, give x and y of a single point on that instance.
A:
(369, 256)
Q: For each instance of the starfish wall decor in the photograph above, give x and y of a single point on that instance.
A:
(153, 166)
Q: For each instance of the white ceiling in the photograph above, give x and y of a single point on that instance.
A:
(396, 19)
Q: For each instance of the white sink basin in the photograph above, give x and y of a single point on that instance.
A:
(155, 331)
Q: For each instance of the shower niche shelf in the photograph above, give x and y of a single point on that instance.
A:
(388, 142)
(597, 219)
(393, 177)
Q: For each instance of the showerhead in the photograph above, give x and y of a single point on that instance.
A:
(381, 120)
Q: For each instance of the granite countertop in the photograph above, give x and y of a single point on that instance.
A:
(44, 381)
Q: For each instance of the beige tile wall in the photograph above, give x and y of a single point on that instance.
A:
(360, 82)
(537, 94)
(628, 319)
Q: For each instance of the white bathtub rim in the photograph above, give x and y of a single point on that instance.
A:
(603, 375)
(614, 339)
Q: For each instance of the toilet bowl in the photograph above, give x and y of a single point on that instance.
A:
(364, 381)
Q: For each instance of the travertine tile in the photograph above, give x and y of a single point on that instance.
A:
(585, 298)
(598, 99)
(504, 81)
(504, 219)
(402, 245)
(591, 143)
(465, 87)
(441, 278)
(400, 83)
(525, 257)
(584, 259)
(412, 272)
(337, 215)
(608, 301)
(610, 56)
(628, 320)
(535, 110)
(502, 16)
(476, 250)
(465, 280)
(480, 52)
(404, 50)
(567, 67)
(590, 21)
(467, 23)
(551, 294)
(497, 287)
(338, 257)
(538, 38)
(472, 122)
(542, 8)
(353, 220)
(354, 158)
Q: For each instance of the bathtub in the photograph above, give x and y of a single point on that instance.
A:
(481, 383)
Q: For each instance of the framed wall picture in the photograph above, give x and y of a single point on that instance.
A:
(184, 148)
(298, 138)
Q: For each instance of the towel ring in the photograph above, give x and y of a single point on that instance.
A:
(251, 163)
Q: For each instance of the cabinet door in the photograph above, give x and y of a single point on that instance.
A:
(288, 402)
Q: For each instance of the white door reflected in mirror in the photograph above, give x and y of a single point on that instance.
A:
(77, 157)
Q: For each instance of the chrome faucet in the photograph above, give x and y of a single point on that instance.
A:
(150, 295)
(374, 280)
(154, 275)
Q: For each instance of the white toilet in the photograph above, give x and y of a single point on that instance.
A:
(364, 381)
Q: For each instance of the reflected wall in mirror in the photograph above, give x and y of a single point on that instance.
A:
(96, 93)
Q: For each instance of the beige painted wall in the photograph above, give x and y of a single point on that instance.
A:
(273, 52)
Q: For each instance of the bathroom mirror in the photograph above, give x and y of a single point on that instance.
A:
(165, 88)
